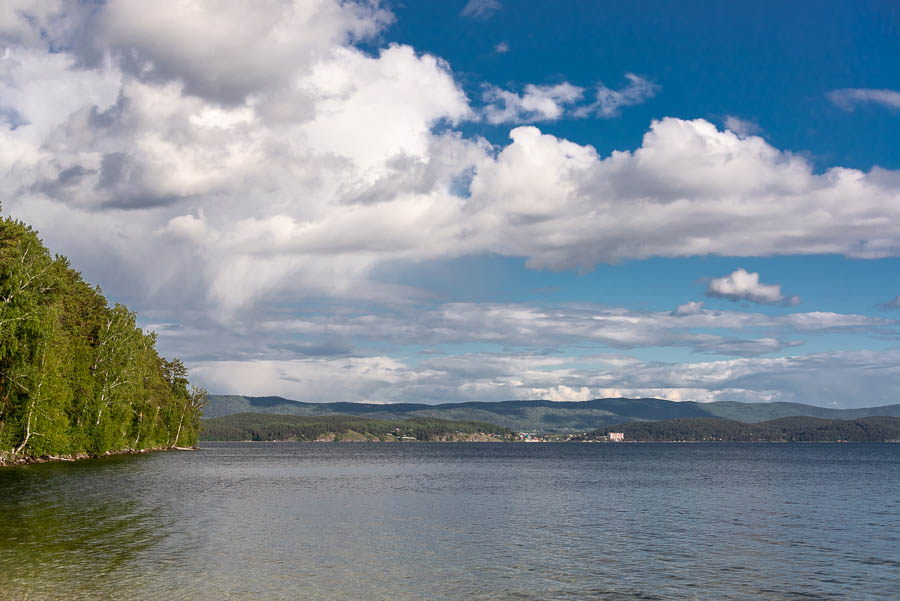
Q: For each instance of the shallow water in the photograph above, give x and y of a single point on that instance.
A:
(458, 521)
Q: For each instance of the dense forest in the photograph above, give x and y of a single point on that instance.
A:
(78, 377)
(787, 429)
(264, 426)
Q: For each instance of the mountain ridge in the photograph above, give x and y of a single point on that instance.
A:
(543, 415)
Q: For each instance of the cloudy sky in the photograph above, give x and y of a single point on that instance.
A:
(447, 201)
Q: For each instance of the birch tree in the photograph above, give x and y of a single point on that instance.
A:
(76, 375)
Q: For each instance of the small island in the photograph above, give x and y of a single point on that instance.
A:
(78, 378)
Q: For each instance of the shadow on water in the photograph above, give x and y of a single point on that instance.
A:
(65, 534)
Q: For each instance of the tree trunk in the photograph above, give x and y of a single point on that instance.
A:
(180, 422)
(27, 429)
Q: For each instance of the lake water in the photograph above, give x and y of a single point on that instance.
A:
(458, 521)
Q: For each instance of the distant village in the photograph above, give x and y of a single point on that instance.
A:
(534, 437)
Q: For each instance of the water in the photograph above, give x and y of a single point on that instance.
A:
(458, 521)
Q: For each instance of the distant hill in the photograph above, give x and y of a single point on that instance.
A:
(785, 429)
(544, 416)
(346, 428)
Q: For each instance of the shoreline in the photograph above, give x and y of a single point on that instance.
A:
(560, 441)
(8, 460)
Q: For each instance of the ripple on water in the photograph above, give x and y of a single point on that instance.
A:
(457, 521)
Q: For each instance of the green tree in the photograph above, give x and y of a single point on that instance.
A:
(76, 375)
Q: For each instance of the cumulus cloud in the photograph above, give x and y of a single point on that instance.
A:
(234, 52)
(608, 101)
(306, 190)
(744, 285)
(848, 98)
(536, 103)
(99, 139)
(214, 167)
(688, 308)
(688, 190)
(501, 48)
(480, 9)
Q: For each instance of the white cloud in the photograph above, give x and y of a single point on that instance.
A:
(524, 326)
(212, 165)
(848, 98)
(609, 101)
(501, 48)
(549, 103)
(744, 285)
(186, 227)
(562, 394)
(345, 165)
(311, 380)
(224, 51)
(317, 177)
(21, 21)
(391, 101)
(480, 9)
(688, 308)
(688, 190)
(359, 133)
(537, 103)
(741, 127)
(847, 379)
(326, 209)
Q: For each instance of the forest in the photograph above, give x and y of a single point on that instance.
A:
(264, 426)
(786, 429)
(78, 377)
(542, 415)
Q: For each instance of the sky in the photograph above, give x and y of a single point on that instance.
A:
(478, 200)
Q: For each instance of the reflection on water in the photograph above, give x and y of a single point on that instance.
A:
(457, 521)
(64, 533)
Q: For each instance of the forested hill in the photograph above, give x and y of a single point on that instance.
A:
(267, 426)
(787, 429)
(545, 416)
(78, 377)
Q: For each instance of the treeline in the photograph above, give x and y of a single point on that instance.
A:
(266, 426)
(78, 377)
(786, 429)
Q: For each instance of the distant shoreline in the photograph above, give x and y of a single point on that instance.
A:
(579, 442)
(19, 460)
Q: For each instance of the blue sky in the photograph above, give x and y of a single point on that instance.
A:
(485, 200)
(770, 63)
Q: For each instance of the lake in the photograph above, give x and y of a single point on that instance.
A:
(461, 521)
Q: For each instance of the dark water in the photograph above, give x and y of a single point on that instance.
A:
(458, 521)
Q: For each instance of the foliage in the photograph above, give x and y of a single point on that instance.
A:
(263, 426)
(787, 429)
(76, 375)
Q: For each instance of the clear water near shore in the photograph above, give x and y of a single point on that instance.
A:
(458, 521)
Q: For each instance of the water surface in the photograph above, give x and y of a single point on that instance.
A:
(458, 521)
